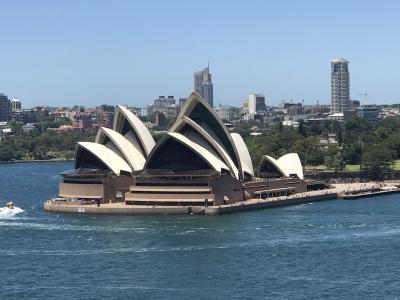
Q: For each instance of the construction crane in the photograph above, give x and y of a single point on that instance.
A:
(365, 94)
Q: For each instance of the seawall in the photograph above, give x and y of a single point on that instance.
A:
(267, 203)
(338, 191)
(123, 209)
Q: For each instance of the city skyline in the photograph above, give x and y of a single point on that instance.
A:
(63, 54)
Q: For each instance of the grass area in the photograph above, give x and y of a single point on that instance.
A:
(317, 168)
(356, 168)
(349, 168)
(352, 168)
(397, 164)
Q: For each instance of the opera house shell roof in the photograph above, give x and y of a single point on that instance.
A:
(197, 141)
(204, 143)
(92, 155)
(285, 166)
(130, 126)
(121, 149)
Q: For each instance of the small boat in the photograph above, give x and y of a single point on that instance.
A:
(9, 205)
(9, 210)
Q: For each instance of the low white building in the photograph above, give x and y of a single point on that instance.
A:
(337, 117)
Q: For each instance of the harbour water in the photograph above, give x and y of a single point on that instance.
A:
(334, 249)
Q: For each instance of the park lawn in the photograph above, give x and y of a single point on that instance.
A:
(397, 164)
(348, 168)
(356, 168)
(352, 168)
(316, 168)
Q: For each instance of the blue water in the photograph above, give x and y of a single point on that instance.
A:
(335, 249)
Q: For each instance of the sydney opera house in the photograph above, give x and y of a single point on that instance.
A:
(198, 163)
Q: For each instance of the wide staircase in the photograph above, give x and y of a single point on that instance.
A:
(170, 195)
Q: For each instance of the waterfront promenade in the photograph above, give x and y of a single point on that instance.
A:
(335, 192)
(301, 198)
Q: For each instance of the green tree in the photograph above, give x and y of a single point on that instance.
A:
(302, 129)
(280, 126)
(392, 142)
(40, 152)
(376, 159)
(308, 151)
(7, 153)
(333, 158)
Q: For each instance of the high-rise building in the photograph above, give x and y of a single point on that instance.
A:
(340, 85)
(15, 105)
(226, 113)
(182, 101)
(369, 112)
(162, 102)
(198, 80)
(203, 85)
(5, 108)
(166, 105)
(245, 107)
(256, 103)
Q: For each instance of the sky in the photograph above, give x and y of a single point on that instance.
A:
(61, 53)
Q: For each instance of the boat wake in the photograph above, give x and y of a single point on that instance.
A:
(7, 213)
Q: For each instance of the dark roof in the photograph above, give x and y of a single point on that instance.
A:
(86, 173)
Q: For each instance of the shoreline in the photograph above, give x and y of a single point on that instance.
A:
(35, 161)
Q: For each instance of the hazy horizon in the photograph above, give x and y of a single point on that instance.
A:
(96, 52)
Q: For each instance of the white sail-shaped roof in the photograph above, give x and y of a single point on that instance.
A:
(267, 160)
(130, 126)
(201, 113)
(208, 142)
(288, 164)
(291, 164)
(119, 144)
(103, 155)
(244, 155)
(159, 152)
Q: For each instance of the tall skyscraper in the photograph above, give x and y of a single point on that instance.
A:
(5, 108)
(340, 85)
(198, 80)
(203, 85)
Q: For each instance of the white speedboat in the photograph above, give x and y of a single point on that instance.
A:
(9, 210)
